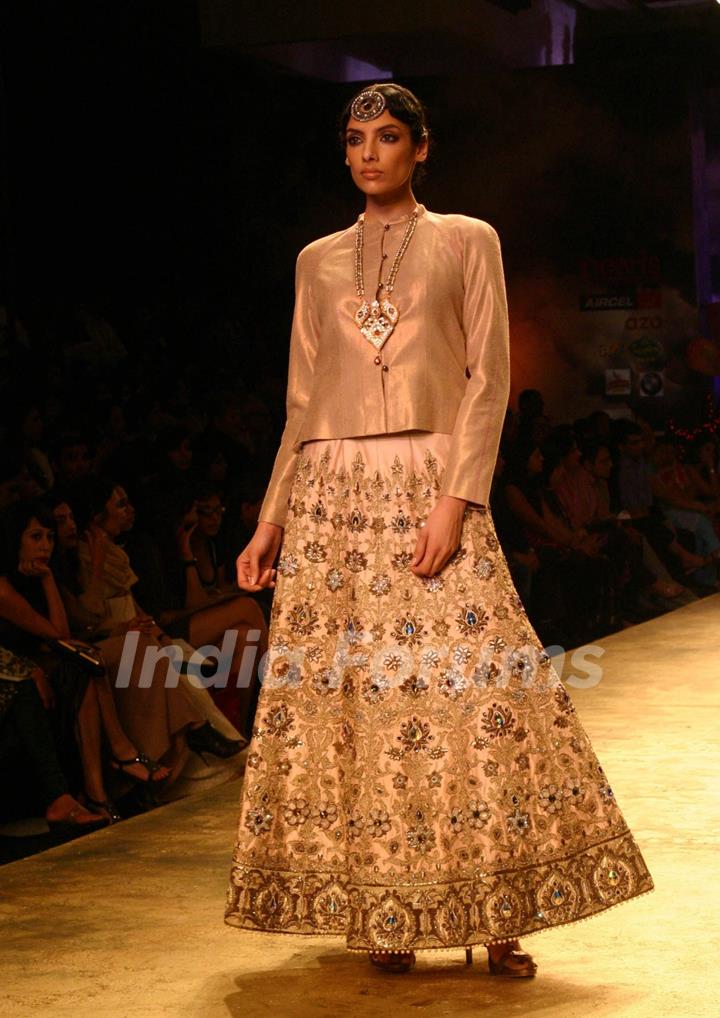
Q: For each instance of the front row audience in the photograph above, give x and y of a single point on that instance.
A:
(603, 524)
(118, 716)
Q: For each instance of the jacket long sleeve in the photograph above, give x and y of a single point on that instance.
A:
(478, 426)
(303, 348)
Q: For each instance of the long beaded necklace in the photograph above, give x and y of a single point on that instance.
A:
(376, 319)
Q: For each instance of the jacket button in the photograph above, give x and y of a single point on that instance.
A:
(378, 360)
(385, 367)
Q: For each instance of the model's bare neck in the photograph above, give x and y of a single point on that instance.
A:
(389, 208)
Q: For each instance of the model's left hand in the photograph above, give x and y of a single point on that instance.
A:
(439, 537)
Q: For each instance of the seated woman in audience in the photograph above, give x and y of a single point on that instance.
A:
(32, 618)
(579, 478)
(573, 581)
(522, 560)
(591, 509)
(160, 716)
(26, 742)
(26, 433)
(632, 493)
(208, 543)
(703, 470)
(175, 457)
(201, 605)
(71, 458)
(680, 500)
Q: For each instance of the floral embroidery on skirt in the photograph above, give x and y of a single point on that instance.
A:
(418, 776)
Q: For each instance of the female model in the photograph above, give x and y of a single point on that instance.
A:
(417, 777)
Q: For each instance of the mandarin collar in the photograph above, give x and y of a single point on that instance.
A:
(373, 223)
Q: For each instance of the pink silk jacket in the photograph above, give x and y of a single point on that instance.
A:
(446, 366)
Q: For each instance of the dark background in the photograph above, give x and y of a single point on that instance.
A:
(161, 168)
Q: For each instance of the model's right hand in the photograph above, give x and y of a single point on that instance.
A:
(254, 563)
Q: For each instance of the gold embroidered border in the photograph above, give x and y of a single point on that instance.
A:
(485, 908)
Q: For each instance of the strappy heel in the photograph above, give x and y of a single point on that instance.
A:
(106, 805)
(207, 739)
(401, 961)
(151, 766)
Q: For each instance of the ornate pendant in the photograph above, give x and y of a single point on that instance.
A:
(376, 321)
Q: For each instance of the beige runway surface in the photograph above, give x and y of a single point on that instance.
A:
(128, 921)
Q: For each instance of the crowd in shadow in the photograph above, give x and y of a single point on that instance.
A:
(129, 483)
(604, 523)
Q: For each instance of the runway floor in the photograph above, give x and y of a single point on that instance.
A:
(128, 921)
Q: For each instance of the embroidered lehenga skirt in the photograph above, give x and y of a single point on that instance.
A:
(418, 777)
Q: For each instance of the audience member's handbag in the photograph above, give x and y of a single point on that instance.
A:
(83, 654)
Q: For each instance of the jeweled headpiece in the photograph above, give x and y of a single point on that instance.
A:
(368, 105)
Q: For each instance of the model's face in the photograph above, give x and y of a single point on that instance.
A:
(36, 543)
(66, 528)
(381, 154)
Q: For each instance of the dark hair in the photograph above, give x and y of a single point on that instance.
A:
(530, 404)
(400, 103)
(55, 497)
(169, 507)
(624, 429)
(89, 496)
(171, 438)
(517, 473)
(67, 440)
(207, 489)
(556, 446)
(590, 448)
(12, 462)
(13, 522)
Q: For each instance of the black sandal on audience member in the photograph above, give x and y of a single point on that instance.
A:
(151, 766)
(207, 739)
(104, 807)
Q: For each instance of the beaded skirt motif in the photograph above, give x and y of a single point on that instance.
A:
(418, 776)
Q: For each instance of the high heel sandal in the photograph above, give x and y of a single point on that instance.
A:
(151, 766)
(207, 739)
(106, 805)
(401, 961)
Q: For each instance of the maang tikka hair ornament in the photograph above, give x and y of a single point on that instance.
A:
(368, 105)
